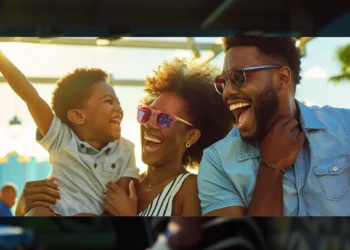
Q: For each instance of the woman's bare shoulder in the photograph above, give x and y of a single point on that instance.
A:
(191, 180)
(190, 185)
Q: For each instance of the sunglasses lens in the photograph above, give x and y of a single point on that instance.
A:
(143, 115)
(220, 83)
(164, 120)
(238, 78)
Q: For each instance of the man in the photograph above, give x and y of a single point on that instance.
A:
(8, 194)
(282, 158)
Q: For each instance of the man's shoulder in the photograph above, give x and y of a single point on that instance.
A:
(328, 114)
(327, 109)
(2, 205)
(4, 210)
(230, 139)
(226, 149)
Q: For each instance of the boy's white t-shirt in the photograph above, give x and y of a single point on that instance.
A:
(81, 171)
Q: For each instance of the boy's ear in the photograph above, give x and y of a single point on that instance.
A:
(76, 116)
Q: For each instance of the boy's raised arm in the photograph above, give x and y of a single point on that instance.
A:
(39, 109)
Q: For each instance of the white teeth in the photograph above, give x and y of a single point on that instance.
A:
(152, 139)
(238, 105)
(116, 120)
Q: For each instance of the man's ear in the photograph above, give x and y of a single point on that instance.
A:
(284, 78)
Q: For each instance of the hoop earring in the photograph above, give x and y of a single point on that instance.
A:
(188, 144)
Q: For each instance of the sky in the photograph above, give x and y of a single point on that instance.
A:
(54, 61)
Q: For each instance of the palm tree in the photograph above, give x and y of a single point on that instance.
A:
(343, 56)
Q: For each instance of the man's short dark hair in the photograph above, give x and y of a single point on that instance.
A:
(73, 90)
(282, 50)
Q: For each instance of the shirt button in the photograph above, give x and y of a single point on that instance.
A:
(335, 168)
(95, 165)
(113, 165)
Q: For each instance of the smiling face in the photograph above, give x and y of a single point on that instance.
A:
(103, 113)
(161, 147)
(254, 106)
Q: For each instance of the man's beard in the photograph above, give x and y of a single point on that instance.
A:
(265, 109)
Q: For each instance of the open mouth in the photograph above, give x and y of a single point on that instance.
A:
(116, 120)
(115, 124)
(152, 139)
(152, 143)
(241, 112)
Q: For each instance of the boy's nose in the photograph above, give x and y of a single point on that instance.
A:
(119, 109)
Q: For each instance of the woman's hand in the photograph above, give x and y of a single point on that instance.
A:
(118, 203)
(38, 194)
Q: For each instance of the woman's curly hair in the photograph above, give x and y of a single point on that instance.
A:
(193, 81)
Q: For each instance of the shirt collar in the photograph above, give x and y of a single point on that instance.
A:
(85, 148)
(247, 151)
(307, 119)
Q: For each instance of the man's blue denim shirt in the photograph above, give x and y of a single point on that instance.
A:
(317, 185)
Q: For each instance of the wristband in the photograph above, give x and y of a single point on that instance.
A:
(274, 166)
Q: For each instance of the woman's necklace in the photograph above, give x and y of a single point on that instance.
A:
(151, 185)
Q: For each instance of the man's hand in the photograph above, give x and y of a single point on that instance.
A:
(38, 194)
(118, 203)
(282, 143)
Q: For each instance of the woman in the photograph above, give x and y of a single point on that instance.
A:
(180, 116)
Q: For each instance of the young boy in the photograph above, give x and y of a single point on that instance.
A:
(82, 135)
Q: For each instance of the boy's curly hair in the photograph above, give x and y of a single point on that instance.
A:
(73, 90)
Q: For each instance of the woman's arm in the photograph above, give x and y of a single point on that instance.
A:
(190, 204)
(37, 194)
